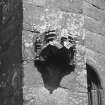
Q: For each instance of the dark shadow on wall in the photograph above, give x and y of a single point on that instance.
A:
(55, 66)
(11, 19)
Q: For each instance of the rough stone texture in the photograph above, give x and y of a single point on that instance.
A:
(60, 97)
(100, 4)
(32, 77)
(94, 11)
(68, 5)
(95, 42)
(94, 26)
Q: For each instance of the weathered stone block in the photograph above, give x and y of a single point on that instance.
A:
(95, 42)
(94, 26)
(93, 12)
(98, 3)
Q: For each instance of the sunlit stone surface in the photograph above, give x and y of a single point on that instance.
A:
(42, 18)
(40, 96)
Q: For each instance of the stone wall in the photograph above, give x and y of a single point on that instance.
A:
(94, 26)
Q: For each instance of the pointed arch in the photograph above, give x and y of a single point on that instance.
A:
(94, 86)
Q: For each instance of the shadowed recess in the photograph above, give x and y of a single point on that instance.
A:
(55, 66)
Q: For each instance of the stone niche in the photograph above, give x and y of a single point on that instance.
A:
(65, 23)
